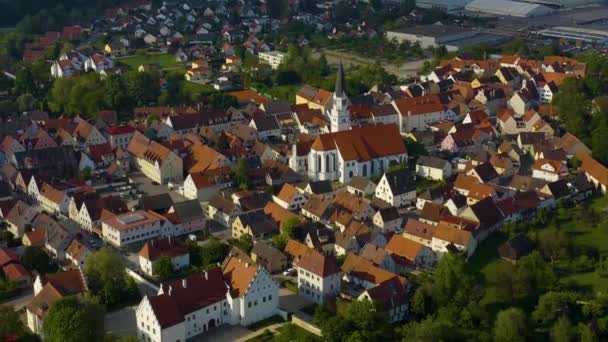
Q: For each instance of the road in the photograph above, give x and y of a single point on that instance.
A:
(122, 323)
(21, 301)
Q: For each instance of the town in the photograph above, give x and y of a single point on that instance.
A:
(303, 171)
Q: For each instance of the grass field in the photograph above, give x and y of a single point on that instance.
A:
(166, 61)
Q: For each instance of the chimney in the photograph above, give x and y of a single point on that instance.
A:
(184, 283)
(246, 265)
(206, 276)
(170, 290)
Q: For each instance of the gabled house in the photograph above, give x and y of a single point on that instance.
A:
(409, 254)
(397, 188)
(433, 168)
(169, 247)
(290, 197)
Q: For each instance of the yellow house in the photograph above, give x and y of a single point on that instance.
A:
(314, 98)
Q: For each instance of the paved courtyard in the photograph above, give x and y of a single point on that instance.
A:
(122, 322)
(224, 333)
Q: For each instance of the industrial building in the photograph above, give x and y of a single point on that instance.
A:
(445, 5)
(592, 34)
(430, 35)
(508, 8)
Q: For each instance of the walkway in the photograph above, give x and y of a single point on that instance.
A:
(272, 328)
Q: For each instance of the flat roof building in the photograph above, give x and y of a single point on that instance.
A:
(430, 35)
(508, 8)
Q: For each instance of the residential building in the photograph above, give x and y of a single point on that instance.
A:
(155, 161)
(398, 188)
(132, 227)
(169, 247)
(318, 276)
(272, 58)
(239, 293)
(433, 168)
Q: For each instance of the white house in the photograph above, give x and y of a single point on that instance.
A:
(549, 170)
(397, 188)
(239, 293)
(272, 58)
(433, 168)
(163, 247)
(132, 227)
(290, 197)
(318, 277)
(445, 236)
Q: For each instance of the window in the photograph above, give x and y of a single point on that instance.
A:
(269, 297)
(249, 304)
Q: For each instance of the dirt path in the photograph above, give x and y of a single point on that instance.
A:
(404, 70)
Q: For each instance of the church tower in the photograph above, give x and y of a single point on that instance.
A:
(339, 114)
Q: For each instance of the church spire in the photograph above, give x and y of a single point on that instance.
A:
(340, 81)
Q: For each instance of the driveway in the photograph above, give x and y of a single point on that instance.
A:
(292, 302)
(122, 322)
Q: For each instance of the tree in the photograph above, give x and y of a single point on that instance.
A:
(553, 304)
(510, 326)
(222, 101)
(72, 319)
(115, 93)
(142, 87)
(35, 258)
(24, 81)
(562, 330)
(554, 244)
(277, 8)
(241, 174)
(26, 102)
(11, 324)
(290, 225)
(599, 142)
(86, 173)
(163, 267)
(106, 275)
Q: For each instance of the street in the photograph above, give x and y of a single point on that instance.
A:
(122, 323)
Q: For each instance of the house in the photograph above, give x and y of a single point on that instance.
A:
(19, 218)
(483, 173)
(391, 296)
(272, 58)
(77, 252)
(132, 227)
(222, 210)
(362, 151)
(86, 135)
(361, 186)
(397, 188)
(317, 208)
(238, 293)
(319, 188)
(409, 254)
(155, 160)
(267, 256)
(290, 197)
(318, 276)
(433, 168)
(314, 98)
(595, 172)
(202, 186)
(119, 136)
(254, 224)
(17, 274)
(57, 238)
(268, 127)
(419, 231)
(186, 217)
(115, 49)
(549, 170)
(362, 273)
(50, 288)
(515, 248)
(169, 247)
(415, 113)
(447, 238)
(98, 62)
(387, 220)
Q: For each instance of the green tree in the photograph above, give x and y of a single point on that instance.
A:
(26, 102)
(599, 141)
(241, 174)
(142, 87)
(222, 101)
(562, 330)
(72, 319)
(429, 329)
(552, 305)
(290, 226)
(11, 324)
(115, 93)
(52, 51)
(277, 8)
(24, 81)
(510, 326)
(106, 275)
(587, 334)
(163, 267)
(35, 258)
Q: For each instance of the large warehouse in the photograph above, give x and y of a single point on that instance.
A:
(430, 35)
(596, 34)
(508, 8)
(446, 5)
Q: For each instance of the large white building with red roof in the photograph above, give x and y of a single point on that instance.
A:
(362, 151)
(238, 293)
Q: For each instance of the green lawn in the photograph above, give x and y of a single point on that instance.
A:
(165, 60)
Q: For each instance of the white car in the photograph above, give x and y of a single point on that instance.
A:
(289, 271)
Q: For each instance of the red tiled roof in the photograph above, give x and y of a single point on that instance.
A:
(7, 256)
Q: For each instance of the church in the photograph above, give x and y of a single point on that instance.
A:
(348, 151)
